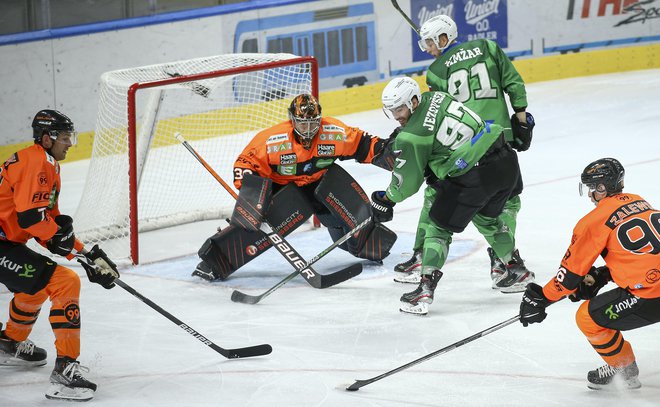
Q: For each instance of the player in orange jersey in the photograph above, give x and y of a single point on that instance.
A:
(300, 154)
(29, 190)
(625, 230)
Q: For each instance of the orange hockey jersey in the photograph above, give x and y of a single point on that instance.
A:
(29, 187)
(625, 230)
(274, 153)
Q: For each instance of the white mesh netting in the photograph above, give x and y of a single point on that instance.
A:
(218, 117)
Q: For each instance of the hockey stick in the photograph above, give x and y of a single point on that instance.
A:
(250, 351)
(361, 383)
(405, 17)
(290, 254)
(238, 296)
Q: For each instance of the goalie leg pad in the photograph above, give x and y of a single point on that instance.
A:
(378, 242)
(252, 202)
(233, 247)
(346, 205)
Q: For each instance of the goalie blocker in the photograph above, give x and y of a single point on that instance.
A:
(338, 201)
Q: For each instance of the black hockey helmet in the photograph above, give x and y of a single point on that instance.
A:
(606, 171)
(51, 122)
(305, 115)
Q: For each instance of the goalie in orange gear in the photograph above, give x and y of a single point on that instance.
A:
(300, 154)
(29, 190)
(625, 230)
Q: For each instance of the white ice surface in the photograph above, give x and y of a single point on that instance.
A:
(324, 339)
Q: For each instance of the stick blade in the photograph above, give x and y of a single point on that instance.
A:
(329, 280)
(356, 386)
(250, 351)
(237, 296)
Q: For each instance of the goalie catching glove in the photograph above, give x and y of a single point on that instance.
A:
(99, 268)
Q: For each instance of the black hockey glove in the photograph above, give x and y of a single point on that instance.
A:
(384, 154)
(522, 132)
(62, 241)
(381, 210)
(99, 268)
(588, 288)
(533, 304)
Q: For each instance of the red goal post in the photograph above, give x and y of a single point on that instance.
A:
(217, 110)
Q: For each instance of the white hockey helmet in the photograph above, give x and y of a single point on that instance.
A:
(400, 91)
(434, 27)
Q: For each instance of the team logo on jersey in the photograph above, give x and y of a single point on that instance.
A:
(332, 137)
(251, 250)
(288, 159)
(42, 179)
(276, 148)
(325, 149)
(653, 276)
(307, 168)
(276, 138)
(325, 162)
(332, 128)
(40, 196)
(72, 313)
(286, 169)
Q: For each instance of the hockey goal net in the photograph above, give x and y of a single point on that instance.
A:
(140, 178)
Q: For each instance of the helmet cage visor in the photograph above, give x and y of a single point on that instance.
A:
(66, 137)
(306, 127)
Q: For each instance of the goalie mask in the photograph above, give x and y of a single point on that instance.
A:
(305, 115)
(602, 176)
(54, 124)
(433, 28)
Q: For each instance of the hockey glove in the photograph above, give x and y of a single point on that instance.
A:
(62, 241)
(384, 153)
(99, 268)
(588, 288)
(533, 304)
(381, 209)
(522, 132)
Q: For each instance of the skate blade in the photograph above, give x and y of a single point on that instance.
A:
(407, 278)
(15, 362)
(61, 392)
(420, 309)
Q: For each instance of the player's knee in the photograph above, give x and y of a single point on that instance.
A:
(66, 280)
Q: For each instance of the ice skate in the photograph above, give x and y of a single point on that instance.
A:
(517, 276)
(604, 377)
(68, 383)
(205, 271)
(416, 302)
(409, 271)
(22, 354)
(497, 268)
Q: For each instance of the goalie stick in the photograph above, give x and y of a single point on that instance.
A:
(250, 351)
(361, 383)
(281, 245)
(405, 16)
(356, 269)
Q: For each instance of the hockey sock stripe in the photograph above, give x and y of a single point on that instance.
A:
(23, 321)
(609, 344)
(17, 311)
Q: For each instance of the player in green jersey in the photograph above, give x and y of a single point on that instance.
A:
(475, 167)
(479, 74)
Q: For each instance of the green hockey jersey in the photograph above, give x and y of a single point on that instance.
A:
(442, 134)
(478, 73)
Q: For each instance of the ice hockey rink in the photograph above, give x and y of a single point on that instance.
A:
(325, 339)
